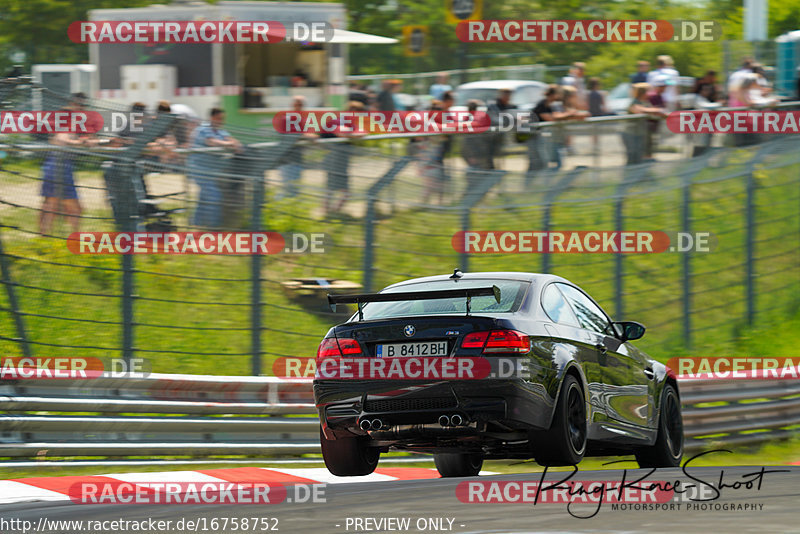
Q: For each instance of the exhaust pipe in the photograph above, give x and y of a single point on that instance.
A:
(456, 420)
(377, 424)
(365, 424)
(444, 420)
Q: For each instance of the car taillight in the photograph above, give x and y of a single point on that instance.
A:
(475, 340)
(329, 348)
(507, 341)
(349, 347)
(497, 342)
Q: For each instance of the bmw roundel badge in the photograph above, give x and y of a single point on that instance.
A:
(409, 330)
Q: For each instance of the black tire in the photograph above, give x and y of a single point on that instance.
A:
(565, 442)
(667, 451)
(349, 457)
(457, 464)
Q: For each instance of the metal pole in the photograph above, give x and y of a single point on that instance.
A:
(127, 307)
(546, 228)
(750, 246)
(5, 272)
(618, 267)
(369, 219)
(128, 219)
(255, 278)
(463, 62)
(550, 197)
(471, 197)
(686, 265)
(125, 182)
(369, 238)
(463, 256)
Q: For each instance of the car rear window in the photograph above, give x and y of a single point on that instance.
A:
(511, 295)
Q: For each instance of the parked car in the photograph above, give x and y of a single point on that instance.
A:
(587, 389)
(525, 94)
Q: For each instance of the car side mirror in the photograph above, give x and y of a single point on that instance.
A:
(629, 330)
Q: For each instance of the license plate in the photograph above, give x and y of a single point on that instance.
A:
(430, 348)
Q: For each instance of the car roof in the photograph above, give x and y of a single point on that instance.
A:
(502, 275)
(500, 84)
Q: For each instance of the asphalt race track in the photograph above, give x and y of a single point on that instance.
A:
(771, 509)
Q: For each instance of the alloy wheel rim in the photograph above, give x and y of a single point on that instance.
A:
(576, 419)
(674, 425)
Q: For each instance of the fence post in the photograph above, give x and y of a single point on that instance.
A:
(750, 220)
(5, 272)
(254, 168)
(255, 277)
(686, 265)
(369, 219)
(619, 219)
(632, 176)
(750, 247)
(472, 196)
(463, 256)
(549, 198)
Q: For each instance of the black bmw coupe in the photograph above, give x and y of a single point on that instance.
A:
(495, 365)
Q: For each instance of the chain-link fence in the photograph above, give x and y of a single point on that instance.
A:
(389, 207)
(419, 83)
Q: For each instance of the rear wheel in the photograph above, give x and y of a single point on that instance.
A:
(457, 464)
(349, 457)
(667, 451)
(565, 442)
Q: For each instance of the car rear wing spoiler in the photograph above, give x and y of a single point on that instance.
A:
(362, 298)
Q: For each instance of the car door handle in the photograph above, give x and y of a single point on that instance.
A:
(649, 373)
(602, 348)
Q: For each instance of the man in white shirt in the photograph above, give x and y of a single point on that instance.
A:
(575, 78)
(737, 77)
(665, 69)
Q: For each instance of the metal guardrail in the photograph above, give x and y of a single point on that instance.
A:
(190, 415)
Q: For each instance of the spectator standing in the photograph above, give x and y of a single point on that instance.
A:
(572, 111)
(549, 109)
(707, 86)
(665, 68)
(475, 146)
(433, 155)
(797, 94)
(59, 193)
(386, 100)
(597, 101)
(737, 77)
(356, 93)
(162, 149)
(500, 106)
(642, 69)
(205, 167)
(441, 86)
(597, 106)
(763, 82)
(337, 162)
(575, 78)
(292, 170)
(639, 140)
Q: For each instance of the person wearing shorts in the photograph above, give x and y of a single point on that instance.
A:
(58, 183)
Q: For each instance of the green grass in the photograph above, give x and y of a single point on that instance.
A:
(415, 240)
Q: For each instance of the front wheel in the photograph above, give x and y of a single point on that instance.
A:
(667, 451)
(349, 457)
(456, 464)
